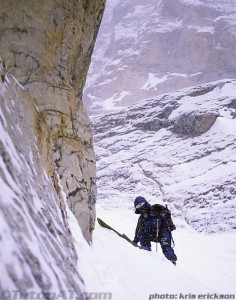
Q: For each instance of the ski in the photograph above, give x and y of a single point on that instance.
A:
(105, 225)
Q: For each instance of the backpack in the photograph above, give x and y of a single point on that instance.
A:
(165, 214)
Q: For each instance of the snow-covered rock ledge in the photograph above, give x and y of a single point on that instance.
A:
(178, 148)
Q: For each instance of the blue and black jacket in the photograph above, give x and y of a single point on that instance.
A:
(147, 223)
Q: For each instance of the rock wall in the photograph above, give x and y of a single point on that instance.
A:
(46, 147)
(37, 249)
(47, 46)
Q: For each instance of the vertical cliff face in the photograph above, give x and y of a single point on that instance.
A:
(47, 46)
(46, 149)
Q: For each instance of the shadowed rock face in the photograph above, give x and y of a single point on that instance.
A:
(47, 46)
(46, 149)
(194, 123)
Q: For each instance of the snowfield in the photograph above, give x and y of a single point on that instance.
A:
(206, 263)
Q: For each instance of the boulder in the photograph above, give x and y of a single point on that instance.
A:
(194, 123)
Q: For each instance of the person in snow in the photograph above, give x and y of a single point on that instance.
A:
(154, 225)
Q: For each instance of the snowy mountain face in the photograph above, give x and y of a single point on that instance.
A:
(177, 149)
(147, 49)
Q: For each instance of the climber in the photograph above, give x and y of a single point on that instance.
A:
(154, 225)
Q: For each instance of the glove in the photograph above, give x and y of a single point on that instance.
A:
(171, 225)
(135, 241)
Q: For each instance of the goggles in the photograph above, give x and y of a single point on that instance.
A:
(138, 206)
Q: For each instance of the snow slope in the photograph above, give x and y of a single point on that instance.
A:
(206, 263)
